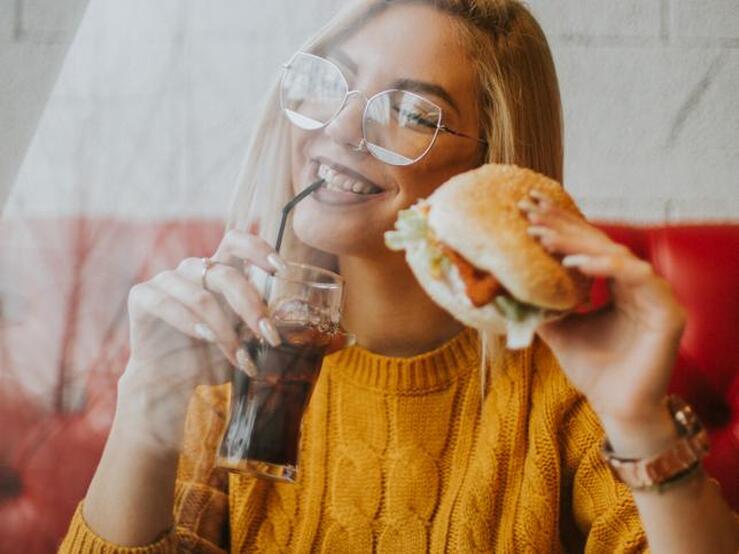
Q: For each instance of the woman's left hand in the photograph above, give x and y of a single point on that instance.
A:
(619, 357)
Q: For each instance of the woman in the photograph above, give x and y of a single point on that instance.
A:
(396, 454)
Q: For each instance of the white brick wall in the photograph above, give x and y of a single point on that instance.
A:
(586, 19)
(7, 22)
(34, 37)
(45, 21)
(716, 20)
(156, 101)
(667, 135)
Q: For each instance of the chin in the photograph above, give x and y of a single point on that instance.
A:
(318, 236)
(332, 241)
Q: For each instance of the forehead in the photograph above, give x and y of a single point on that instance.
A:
(411, 41)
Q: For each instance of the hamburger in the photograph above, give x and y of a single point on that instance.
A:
(468, 247)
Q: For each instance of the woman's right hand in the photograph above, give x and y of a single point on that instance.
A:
(183, 335)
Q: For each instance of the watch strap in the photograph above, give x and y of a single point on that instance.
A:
(680, 458)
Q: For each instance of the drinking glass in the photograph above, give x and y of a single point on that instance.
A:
(304, 302)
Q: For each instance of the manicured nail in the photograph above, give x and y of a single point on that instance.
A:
(205, 332)
(539, 231)
(245, 363)
(526, 205)
(269, 332)
(350, 339)
(575, 260)
(543, 201)
(276, 262)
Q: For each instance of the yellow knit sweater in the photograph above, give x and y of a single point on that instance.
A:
(397, 456)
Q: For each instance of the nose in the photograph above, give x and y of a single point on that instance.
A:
(346, 128)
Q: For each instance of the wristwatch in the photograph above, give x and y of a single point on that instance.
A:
(682, 458)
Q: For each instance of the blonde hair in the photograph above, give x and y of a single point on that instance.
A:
(519, 105)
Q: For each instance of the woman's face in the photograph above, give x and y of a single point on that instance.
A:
(403, 43)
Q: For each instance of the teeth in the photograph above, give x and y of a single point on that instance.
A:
(340, 182)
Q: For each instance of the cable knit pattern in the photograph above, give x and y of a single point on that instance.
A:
(401, 455)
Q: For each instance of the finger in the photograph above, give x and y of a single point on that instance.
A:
(542, 212)
(215, 325)
(570, 238)
(238, 246)
(545, 213)
(244, 299)
(625, 269)
(562, 242)
(147, 300)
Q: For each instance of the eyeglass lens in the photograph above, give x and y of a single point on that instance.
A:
(399, 126)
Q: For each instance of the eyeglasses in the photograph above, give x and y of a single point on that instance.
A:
(399, 127)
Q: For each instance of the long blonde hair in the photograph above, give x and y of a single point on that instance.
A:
(519, 106)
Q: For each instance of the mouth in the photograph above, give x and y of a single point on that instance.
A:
(339, 178)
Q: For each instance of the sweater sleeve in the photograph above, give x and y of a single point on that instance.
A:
(603, 508)
(201, 491)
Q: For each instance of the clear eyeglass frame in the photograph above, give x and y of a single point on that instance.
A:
(377, 151)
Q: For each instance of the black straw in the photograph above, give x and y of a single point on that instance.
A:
(290, 205)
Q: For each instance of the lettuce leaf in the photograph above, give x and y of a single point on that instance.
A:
(412, 231)
(521, 320)
(411, 227)
(513, 309)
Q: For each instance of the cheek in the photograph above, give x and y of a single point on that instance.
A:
(299, 141)
(420, 180)
(441, 164)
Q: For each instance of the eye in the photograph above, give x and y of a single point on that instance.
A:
(411, 117)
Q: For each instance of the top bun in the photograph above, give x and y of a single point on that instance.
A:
(476, 214)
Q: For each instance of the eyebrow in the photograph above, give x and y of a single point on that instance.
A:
(411, 85)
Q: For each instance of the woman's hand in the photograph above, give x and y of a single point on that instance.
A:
(183, 335)
(619, 357)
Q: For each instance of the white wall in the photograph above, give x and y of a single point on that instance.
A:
(156, 100)
(651, 96)
(34, 37)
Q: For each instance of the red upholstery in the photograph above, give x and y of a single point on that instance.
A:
(701, 262)
(57, 381)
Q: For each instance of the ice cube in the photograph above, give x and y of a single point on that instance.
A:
(298, 310)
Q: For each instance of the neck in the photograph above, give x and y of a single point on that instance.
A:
(388, 311)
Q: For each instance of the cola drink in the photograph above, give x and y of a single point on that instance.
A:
(263, 432)
(266, 410)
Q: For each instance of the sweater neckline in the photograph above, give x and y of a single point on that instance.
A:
(432, 370)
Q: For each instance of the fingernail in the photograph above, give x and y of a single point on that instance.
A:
(539, 231)
(574, 260)
(205, 332)
(269, 332)
(543, 200)
(526, 205)
(276, 262)
(245, 363)
(537, 194)
(350, 339)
